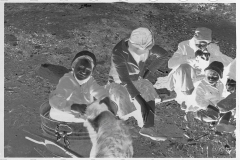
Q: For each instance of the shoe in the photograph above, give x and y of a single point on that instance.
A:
(151, 133)
(228, 128)
(164, 91)
(212, 124)
(169, 97)
(202, 115)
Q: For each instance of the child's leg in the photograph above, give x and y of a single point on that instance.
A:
(150, 118)
(223, 124)
(225, 118)
(183, 79)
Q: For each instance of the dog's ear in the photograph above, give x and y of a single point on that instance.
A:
(112, 107)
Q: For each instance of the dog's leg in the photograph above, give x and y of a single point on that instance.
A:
(93, 151)
(93, 137)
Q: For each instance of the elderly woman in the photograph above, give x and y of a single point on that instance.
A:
(134, 95)
(207, 94)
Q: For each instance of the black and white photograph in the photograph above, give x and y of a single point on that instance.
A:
(120, 79)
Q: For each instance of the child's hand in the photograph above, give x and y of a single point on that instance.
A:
(78, 108)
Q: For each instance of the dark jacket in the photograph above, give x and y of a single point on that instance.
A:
(124, 69)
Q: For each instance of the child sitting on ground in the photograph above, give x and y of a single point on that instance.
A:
(207, 94)
(227, 106)
(76, 89)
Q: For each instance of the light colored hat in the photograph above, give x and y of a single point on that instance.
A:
(203, 33)
(141, 38)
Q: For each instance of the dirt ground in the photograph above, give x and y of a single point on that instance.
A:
(40, 33)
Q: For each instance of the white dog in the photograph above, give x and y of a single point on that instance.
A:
(109, 135)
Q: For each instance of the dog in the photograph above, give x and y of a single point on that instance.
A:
(109, 135)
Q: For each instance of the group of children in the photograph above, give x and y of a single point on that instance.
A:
(78, 88)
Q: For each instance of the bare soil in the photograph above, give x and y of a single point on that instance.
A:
(40, 33)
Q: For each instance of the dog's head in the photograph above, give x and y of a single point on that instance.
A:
(96, 111)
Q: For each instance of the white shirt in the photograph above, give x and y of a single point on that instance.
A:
(205, 94)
